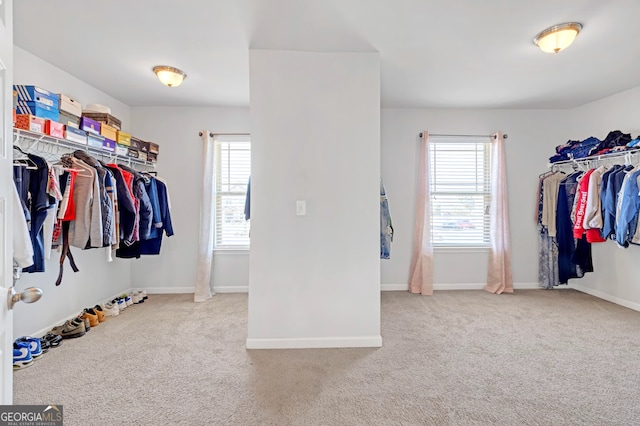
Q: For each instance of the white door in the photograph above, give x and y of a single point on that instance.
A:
(6, 182)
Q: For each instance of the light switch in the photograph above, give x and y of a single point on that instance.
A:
(301, 208)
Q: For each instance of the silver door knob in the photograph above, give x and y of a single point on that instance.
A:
(29, 295)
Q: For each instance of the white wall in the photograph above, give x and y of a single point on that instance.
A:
(616, 270)
(97, 280)
(315, 121)
(532, 134)
(30, 69)
(176, 130)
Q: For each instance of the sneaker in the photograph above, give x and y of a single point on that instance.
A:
(128, 301)
(92, 316)
(144, 295)
(21, 356)
(34, 344)
(137, 297)
(110, 309)
(121, 305)
(79, 319)
(71, 329)
(98, 310)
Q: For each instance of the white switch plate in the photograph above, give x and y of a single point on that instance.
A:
(301, 208)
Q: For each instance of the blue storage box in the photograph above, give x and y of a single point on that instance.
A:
(96, 141)
(38, 109)
(75, 135)
(36, 94)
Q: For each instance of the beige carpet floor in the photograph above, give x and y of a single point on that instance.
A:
(458, 358)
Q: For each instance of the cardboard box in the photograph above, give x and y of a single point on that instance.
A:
(104, 118)
(75, 135)
(109, 145)
(121, 150)
(69, 120)
(144, 146)
(89, 125)
(123, 138)
(96, 141)
(30, 122)
(136, 143)
(153, 157)
(38, 109)
(53, 128)
(108, 131)
(142, 156)
(36, 94)
(70, 106)
(133, 153)
(154, 148)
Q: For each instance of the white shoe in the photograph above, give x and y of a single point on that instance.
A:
(110, 310)
(135, 297)
(144, 295)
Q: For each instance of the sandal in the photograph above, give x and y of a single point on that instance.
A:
(52, 340)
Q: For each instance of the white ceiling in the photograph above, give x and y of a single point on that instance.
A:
(434, 53)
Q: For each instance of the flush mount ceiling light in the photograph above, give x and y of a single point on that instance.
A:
(169, 76)
(558, 37)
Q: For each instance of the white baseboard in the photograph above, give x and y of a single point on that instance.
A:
(231, 289)
(168, 290)
(609, 298)
(457, 286)
(316, 343)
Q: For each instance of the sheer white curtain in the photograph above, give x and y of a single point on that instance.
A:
(421, 280)
(205, 247)
(499, 277)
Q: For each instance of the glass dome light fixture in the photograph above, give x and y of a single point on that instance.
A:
(559, 37)
(169, 76)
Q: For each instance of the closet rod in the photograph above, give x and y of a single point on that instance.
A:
(212, 134)
(464, 136)
(595, 157)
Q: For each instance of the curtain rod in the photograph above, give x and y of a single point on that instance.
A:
(466, 136)
(212, 134)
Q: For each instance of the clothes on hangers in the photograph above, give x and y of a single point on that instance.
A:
(84, 203)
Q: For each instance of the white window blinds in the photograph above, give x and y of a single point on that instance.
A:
(232, 171)
(460, 184)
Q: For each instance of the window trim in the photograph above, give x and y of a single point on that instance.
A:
(217, 195)
(456, 246)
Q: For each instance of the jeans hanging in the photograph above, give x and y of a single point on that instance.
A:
(386, 226)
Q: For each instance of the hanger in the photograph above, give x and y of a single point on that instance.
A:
(26, 161)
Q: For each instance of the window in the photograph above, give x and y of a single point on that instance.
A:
(232, 171)
(460, 184)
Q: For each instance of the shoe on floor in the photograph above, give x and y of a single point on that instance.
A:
(110, 309)
(98, 310)
(92, 316)
(87, 324)
(71, 329)
(21, 356)
(34, 344)
(128, 301)
(121, 304)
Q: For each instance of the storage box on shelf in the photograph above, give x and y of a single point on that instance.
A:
(108, 131)
(38, 109)
(89, 125)
(70, 106)
(36, 94)
(109, 145)
(123, 138)
(96, 141)
(69, 120)
(104, 118)
(53, 128)
(30, 122)
(75, 135)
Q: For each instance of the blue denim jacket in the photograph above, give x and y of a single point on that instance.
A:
(386, 226)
